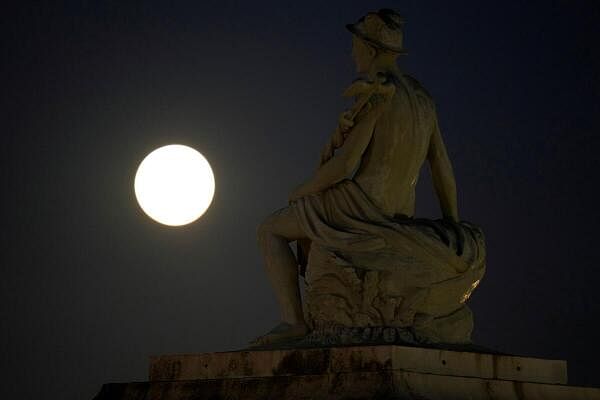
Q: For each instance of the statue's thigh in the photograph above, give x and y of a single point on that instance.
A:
(283, 223)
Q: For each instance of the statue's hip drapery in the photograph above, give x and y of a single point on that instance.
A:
(367, 270)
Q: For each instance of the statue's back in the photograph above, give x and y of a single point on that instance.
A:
(390, 166)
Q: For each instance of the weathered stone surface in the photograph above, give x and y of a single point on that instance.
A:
(422, 296)
(360, 372)
(355, 359)
(344, 386)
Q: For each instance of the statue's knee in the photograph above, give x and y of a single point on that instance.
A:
(277, 225)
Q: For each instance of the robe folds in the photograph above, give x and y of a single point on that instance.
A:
(367, 269)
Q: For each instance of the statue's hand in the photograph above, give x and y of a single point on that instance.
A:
(345, 121)
(451, 218)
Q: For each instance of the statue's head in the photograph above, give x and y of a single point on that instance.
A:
(376, 35)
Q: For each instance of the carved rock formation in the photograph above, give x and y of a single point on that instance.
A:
(356, 298)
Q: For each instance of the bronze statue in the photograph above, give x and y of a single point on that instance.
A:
(374, 272)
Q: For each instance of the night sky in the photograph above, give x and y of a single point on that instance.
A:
(91, 287)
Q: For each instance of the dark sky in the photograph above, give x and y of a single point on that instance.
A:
(91, 286)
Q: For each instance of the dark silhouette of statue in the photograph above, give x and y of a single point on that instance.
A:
(374, 272)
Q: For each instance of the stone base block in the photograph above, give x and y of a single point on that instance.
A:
(362, 372)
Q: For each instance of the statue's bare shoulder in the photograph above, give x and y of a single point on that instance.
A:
(417, 88)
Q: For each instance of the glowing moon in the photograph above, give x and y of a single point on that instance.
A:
(174, 185)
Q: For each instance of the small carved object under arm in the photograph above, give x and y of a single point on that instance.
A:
(366, 93)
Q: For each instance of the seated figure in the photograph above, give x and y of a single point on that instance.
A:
(374, 273)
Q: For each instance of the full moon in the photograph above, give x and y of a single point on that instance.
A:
(174, 185)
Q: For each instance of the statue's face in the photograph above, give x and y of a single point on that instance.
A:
(362, 54)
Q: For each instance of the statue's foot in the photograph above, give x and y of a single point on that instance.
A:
(281, 333)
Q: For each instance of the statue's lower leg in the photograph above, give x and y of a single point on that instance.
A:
(282, 270)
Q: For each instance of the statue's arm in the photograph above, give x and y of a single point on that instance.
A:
(442, 175)
(340, 166)
(345, 123)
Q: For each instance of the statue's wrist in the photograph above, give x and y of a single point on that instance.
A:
(452, 217)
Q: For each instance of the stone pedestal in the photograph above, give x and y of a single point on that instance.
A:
(360, 372)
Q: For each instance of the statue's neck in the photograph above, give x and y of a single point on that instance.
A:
(387, 68)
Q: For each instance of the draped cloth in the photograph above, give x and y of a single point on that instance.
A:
(367, 269)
